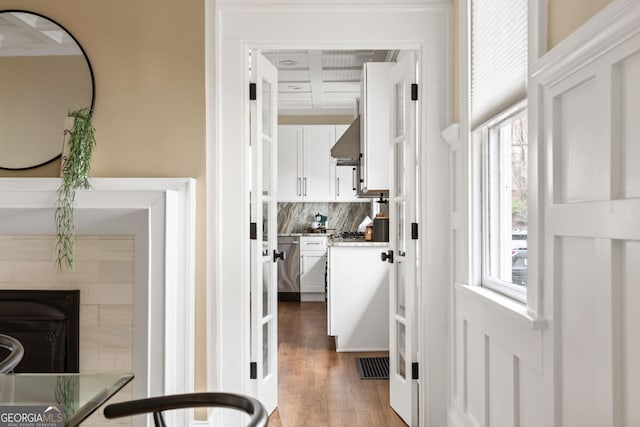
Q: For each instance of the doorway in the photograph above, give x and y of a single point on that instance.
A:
(422, 26)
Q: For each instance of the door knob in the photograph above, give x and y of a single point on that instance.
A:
(282, 255)
(387, 256)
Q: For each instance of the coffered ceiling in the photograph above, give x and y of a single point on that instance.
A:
(321, 82)
(27, 34)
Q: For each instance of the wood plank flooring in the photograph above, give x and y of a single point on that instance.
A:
(319, 387)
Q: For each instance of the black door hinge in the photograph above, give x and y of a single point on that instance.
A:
(253, 92)
(253, 371)
(253, 231)
(414, 231)
(414, 371)
(414, 91)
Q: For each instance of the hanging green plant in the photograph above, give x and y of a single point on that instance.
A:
(75, 175)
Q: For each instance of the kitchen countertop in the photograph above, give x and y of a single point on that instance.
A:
(303, 234)
(355, 243)
(337, 241)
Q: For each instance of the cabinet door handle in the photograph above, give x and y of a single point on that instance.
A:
(353, 179)
(304, 192)
(337, 186)
(299, 186)
(301, 265)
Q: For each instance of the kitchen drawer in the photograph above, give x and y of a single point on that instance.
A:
(313, 243)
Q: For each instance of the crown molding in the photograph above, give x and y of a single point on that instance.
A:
(609, 28)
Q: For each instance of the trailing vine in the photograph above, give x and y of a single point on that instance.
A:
(75, 175)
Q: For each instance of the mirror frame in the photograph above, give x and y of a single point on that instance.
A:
(86, 57)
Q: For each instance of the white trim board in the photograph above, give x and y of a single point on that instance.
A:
(160, 214)
(423, 27)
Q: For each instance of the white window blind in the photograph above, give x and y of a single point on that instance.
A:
(498, 56)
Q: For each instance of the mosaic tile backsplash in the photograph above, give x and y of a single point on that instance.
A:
(297, 217)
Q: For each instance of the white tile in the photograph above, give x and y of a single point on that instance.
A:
(89, 314)
(89, 358)
(105, 250)
(107, 293)
(103, 338)
(116, 271)
(26, 249)
(116, 361)
(116, 314)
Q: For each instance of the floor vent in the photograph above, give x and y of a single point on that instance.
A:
(373, 368)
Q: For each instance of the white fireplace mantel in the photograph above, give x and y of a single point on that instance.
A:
(160, 214)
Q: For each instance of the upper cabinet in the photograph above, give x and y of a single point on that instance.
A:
(304, 164)
(346, 177)
(375, 129)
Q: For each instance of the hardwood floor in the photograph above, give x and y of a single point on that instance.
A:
(319, 387)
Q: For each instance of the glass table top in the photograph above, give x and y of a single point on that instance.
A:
(77, 395)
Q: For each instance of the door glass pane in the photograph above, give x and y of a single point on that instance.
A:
(400, 342)
(266, 286)
(399, 168)
(265, 227)
(266, 340)
(266, 167)
(400, 227)
(266, 108)
(399, 95)
(400, 289)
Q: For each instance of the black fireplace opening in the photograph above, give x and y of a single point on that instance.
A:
(47, 323)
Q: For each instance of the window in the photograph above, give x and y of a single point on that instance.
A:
(498, 119)
(504, 203)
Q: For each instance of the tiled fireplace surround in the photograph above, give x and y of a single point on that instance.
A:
(136, 312)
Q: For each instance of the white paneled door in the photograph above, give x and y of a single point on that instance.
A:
(403, 255)
(264, 255)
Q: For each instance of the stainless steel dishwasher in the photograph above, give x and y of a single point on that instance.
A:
(289, 269)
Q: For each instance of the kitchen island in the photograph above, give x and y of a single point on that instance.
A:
(358, 295)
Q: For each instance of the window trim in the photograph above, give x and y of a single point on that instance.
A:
(471, 269)
(481, 137)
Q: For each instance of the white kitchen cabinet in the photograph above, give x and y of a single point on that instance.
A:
(375, 128)
(345, 177)
(358, 296)
(313, 258)
(304, 163)
(289, 160)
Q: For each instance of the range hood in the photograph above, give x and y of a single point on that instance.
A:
(347, 148)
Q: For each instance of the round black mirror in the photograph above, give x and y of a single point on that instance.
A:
(44, 74)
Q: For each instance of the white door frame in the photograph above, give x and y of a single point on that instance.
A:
(234, 27)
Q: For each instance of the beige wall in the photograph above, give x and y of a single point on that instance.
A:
(148, 61)
(564, 17)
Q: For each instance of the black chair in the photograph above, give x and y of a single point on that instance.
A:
(155, 405)
(16, 352)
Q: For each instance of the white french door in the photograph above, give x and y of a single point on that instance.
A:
(403, 198)
(264, 255)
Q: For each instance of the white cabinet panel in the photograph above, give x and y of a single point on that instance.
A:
(304, 163)
(375, 127)
(316, 181)
(345, 184)
(312, 272)
(289, 160)
(313, 259)
(345, 177)
(358, 300)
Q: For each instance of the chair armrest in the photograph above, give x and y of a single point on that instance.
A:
(247, 404)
